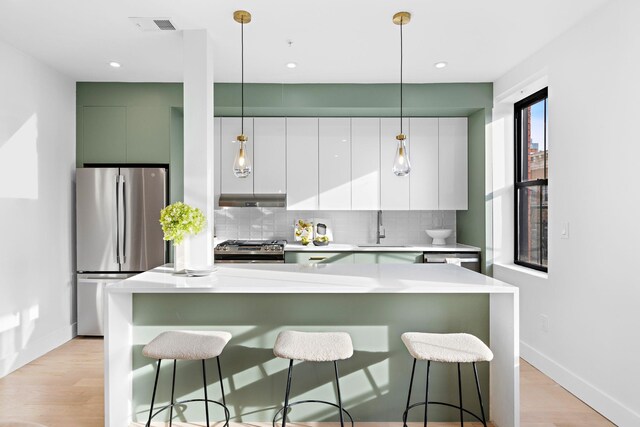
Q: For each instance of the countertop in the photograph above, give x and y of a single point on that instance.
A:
(341, 247)
(316, 278)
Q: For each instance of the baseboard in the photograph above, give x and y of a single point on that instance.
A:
(606, 405)
(36, 349)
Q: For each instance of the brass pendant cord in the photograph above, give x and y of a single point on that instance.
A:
(401, 58)
(242, 76)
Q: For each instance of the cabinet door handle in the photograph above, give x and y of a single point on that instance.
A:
(317, 258)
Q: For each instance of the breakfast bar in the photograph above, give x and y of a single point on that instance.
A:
(374, 303)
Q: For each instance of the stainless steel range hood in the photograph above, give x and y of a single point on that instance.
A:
(253, 200)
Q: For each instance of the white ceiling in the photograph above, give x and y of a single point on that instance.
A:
(349, 41)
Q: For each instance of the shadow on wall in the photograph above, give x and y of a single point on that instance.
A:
(19, 161)
(16, 330)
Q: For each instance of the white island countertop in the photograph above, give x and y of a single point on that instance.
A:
(317, 278)
(344, 247)
(385, 280)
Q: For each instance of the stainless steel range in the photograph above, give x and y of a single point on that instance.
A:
(250, 251)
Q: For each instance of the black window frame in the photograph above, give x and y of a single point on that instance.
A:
(541, 95)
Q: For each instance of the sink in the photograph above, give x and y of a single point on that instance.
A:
(384, 246)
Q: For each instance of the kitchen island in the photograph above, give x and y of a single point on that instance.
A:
(374, 303)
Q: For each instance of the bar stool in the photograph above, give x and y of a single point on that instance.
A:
(312, 347)
(445, 348)
(187, 345)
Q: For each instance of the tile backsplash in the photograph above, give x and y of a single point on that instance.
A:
(355, 227)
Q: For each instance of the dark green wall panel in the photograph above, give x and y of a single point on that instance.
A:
(352, 100)
(470, 224)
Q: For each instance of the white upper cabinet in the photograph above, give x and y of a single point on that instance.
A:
(453, 186)
(334, 164)
(394, 190)
(346, 163)
(230, 184)
(270, 155)
(365, 163)
(302, 163)
(424, 164)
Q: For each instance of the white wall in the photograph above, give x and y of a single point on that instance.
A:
(37, 162)
(591, 295)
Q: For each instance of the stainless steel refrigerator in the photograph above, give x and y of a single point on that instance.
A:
(118, 233)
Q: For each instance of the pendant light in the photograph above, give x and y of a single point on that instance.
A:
(401, 164)
(242, 162)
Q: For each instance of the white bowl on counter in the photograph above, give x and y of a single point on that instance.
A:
(439, 236)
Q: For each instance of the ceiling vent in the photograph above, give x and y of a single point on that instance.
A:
(153, 24)
(164, 24)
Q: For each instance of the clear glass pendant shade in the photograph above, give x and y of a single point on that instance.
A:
(242, 164)
(401, 164)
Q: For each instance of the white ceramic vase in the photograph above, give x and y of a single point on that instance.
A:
(179, 258)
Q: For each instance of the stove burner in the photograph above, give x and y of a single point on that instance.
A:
(252, 242)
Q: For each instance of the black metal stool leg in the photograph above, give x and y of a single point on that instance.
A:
(335, 368)
(153, 395)
(206, 398)
(460, 397)
(286, 395)
(224, 402)
(426, 394)
(475, 373)
(406, 412)
(173, 388)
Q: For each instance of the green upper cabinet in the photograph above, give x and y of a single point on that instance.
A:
(148, 135)
(79, 135)
(388, 257)
(104, 134)
(133, 134)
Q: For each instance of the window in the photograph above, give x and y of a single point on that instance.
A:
(531, 180)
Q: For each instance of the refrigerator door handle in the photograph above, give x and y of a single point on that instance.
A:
(118, 219)
(124, 226)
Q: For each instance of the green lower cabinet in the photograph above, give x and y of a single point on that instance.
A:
(353, 257)
(388, 257)
(318, 257)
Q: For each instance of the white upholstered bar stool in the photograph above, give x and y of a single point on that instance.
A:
(312, 347)
(445, 348)
(187, 345)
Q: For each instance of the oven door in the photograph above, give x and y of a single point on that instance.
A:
(249, 257)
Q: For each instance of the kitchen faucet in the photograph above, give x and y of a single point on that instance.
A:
(380, 232)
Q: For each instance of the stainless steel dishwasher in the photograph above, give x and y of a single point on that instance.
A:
(469, 260)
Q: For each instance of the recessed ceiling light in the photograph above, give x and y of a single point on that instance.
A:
(291, 65)
(441, 64)
(114, 64)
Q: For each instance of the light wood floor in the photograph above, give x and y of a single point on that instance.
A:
(64, 388)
